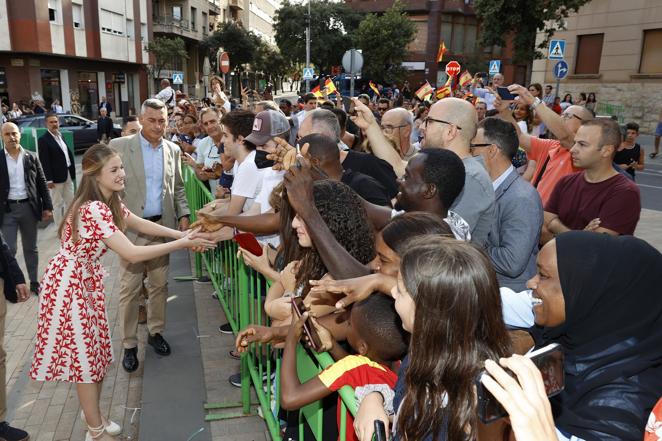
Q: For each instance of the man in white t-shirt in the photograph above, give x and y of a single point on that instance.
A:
(260, 218)
(166, 94)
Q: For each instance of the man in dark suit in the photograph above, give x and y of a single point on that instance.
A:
(104, 127)
(24, 199)
(14, 289)
(59, 167)
(105, 105)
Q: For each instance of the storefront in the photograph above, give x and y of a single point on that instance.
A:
(50, 86)
(88, 95)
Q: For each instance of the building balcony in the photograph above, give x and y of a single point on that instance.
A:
(214, 7)
(236, 4)
(167, 24)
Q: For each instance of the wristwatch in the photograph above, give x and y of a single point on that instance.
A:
(536, 103)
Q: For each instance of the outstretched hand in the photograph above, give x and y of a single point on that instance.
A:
(344, 292)
(255, 334)
(364, 117)
(299, 185)
(193, 241)
(284, 156)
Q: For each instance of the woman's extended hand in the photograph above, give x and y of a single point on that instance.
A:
(371, 409)
(349, 290)
(260, 264)
(523, 398)
(191, 240)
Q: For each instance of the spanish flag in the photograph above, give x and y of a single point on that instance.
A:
(374, 87)
(465, 78)
(317, 92)
(442, 51)
(424, 92)
(330, 87)
(446, 90)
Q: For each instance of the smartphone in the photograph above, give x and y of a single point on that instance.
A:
(380, 431)
(248, 242)
(505, 94)
(298, 308)
(549, 360)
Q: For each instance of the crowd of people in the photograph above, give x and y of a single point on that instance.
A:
(431, 245)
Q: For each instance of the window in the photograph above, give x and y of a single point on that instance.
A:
(589, 52)
(194, 17)
(50, 86)
(77, 11)
(54, 11)
(130, 32)
(177, 13)
(205, 23)
(651, 52)
(459, 33)
(112, 22)
(143, 31)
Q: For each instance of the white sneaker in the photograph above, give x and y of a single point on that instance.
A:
(112, 428)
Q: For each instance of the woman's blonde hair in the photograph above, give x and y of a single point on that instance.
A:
(94, 159)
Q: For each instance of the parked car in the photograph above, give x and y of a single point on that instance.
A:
(84, 130)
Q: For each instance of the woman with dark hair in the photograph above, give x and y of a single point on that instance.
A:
(598, 297)
(447, 296)
(582, 99)
(217, 95)
(343, 213)
(536, 90)
(73, 337)
(591, 102)
(566, 101)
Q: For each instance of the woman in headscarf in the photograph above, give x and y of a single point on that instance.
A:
(599, 296)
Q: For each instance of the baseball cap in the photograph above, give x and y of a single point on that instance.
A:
(266, 125)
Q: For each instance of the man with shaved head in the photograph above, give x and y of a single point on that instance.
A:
(397, 125)
(552, 156)
(451, 124)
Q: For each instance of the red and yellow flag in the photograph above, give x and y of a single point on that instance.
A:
(374, 88)
(424, 92)
(317, 92)
(330, 87)
(465, 79)
(442, 51)
(446, 90)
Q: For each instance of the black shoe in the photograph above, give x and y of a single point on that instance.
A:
(34, 288)
(235, 379)
(225, 329)
(204, 280)
(159, 344)
(9, 433)
(130, 360)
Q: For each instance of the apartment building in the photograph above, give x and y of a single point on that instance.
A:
(613, 49)
(75, 51)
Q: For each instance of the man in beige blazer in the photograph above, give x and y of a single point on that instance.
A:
(155, 191)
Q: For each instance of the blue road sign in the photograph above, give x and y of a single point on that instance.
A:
(178, 78)
(308, 73)
(561, 70)
(556, 50)
(495, 67)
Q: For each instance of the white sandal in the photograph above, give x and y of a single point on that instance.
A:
(111, 427)
(95, 432)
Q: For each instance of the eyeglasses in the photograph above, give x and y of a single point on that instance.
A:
(389, 128)
(473, 146)
(566, 115)
(441, 121)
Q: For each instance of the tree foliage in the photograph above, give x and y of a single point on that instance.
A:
(523, 19)
(239, 43)
(165, 51)
(332, 26)
(384, 40)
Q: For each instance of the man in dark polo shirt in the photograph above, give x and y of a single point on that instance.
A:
(598, 198)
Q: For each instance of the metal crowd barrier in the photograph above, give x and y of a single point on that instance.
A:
(241, 292)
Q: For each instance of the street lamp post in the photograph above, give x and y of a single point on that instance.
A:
(308, 46)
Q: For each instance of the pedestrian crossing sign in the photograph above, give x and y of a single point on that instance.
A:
(308, 73)
(556, 50)
(178, 78)
(495, 67)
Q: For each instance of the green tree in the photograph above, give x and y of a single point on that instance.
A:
(165, 51)
(522, 19)
(239, 43)
(384, 39)
(268, 60)
(332, 26)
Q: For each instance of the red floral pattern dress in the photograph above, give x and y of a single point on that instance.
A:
(73, 336)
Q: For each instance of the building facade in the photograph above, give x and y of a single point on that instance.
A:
(75, 51)
(613, 49)
(455, 23)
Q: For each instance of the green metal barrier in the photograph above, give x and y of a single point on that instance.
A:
(241, 292)
(613, 110)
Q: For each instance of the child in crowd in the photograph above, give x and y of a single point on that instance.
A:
(377, 337)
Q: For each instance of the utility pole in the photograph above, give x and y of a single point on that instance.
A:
(308, 45)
